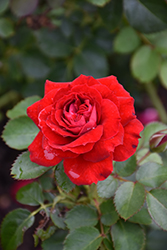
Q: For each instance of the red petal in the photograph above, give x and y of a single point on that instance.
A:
(112, 83)
(36, 108)
(83, 172)
(126, 109)
(42, 156)
(82, 79)
(54, 85)
(131, 136)
(110, 119)
(103, 148)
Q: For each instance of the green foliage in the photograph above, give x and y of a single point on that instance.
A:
(55, 241)
(109, 215)
(125, 168)
(141, 217)
(23, 8)
(6, 28)
(57, 218)
(107, 188)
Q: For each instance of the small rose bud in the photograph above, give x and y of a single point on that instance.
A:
(158, 141)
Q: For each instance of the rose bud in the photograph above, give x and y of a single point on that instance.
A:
(158, 141)
(88, 123)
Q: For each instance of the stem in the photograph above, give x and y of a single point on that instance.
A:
(143, 157)
(99, 212)
(116, 176)
(156, 101)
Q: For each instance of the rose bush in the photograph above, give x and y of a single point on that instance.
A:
(88, 123)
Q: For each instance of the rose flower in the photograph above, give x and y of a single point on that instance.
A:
(88, 123)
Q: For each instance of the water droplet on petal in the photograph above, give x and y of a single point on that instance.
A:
(74, 175)
(93, 128)
(48, 156)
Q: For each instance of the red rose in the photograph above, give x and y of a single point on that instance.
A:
(88, 123)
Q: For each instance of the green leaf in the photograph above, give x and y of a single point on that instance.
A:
(30, 194)
(62, 179)
(107, 188)
(159, 40)
(23, 8)
(21, 107)
(83, 238)
(24, 169)
(6, 28)
(108, 244)
(126, 168)
(158, 8)
(142, 217)
(151, 174)
(145, 64)
(55, 241)
(14, 225)
(45, 234)
(153, 157)
(126, 41)
(109, 215)
(141, 18)
(100, 3)
(156, 239)
(81, 216)
(111, 14)
(46, 40)
(127, 236)
(57, 218)
(157, 206)
(91, 62)
(129, 198)
(19, 132)
(163, 73)
(4, 5)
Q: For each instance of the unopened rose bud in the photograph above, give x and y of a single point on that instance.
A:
(158, 141)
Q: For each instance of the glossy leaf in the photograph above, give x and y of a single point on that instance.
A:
(20, 132)
(145, 64)
(15, 224)
(151, 174)
(62, 179)
(57, 218)
(127, 236)
(163, 73)
(55, 241)
(126, 41)
(142, 217)
(107, 188)
(6, 28)
(129, 198)
(30, 194)
(142, 18)
(24, 169)
(126, 168)
(23, 8)
(109, 215)
(21, 107)
(157, 206)
(83, 238)
(81, 216)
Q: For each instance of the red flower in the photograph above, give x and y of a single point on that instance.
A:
(88, 123)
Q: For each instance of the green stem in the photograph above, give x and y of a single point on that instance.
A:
(143, 157)
(156, 101)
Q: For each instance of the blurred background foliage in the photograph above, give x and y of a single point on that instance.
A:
(61, 39)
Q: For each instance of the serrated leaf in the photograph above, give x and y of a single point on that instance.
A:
(21, 107)
(142, 217)
(57, 219)
(83, 238)
(126, 41)
(99, 2)
(55, 241)
(153, 157)
(23, 8)
(129, 198)
(24, 169)
(107, 188)
(30, 194)
(151, 174)
(20, 132)
(141, 18)
(14, 225)
(109, 215)
(163, 73)
(126, 168)
(127, 236)
(6, 28)
(145, 64)
(62, 179)
(157, 206)
(80, 216)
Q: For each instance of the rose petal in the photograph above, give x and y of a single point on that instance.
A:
(131, 136)
(83, 172)
(49, 85)
(82, 79)
(110, 119)
(103, 148)
(41, 156)
(126, 109)
(112, 83)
